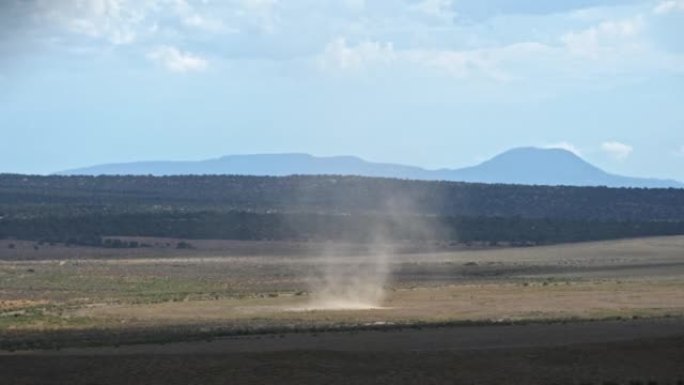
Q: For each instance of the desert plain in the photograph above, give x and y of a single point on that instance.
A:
(215, 312)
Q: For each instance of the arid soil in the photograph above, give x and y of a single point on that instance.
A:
(603, 312)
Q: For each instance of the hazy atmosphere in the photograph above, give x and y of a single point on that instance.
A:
(439, 83)
(342, 192)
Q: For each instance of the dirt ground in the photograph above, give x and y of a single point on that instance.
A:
(518, 314)
(623, 352)
(250, 288)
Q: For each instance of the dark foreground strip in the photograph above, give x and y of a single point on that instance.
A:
(149, 336)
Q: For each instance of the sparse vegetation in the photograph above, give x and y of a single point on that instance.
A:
(510, 283)
(118, 301)
(183, 245)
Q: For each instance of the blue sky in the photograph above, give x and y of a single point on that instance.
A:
(434, 83)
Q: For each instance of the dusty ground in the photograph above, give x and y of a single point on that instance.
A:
(58, 296)
(643, 277)
(624, 352)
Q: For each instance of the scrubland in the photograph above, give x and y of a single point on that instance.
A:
(261, 299)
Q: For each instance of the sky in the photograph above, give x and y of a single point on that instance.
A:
(432, 83)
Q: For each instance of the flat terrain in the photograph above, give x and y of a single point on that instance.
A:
(613, 352)
(321, 313)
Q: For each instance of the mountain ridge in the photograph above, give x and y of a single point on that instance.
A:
(522, 165)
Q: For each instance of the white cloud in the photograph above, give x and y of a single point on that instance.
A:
(417, 35)
(617, 150)
(609, 35)
(177, 61)
(669, 6)
(617, 48)
(116, 21)
(459, 64)
(565, 146)
(490, 63)
(122, 22)
(205, 23)
(339, 55)
(436, 8)
(190, 17)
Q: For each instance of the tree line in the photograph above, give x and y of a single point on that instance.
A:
(84, 209)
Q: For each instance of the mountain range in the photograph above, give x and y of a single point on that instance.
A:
(525, 165)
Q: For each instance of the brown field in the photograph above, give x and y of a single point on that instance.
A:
(580, 313)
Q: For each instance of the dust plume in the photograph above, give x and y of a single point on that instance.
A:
(357, 279)
(351, 282)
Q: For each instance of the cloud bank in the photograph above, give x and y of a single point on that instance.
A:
(489, 40)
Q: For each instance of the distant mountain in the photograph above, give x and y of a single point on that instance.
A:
(260, 165)
(536, 166)
(527, 165)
